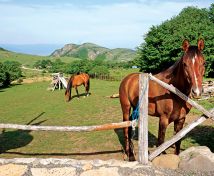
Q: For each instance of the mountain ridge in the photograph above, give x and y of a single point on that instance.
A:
(92, 51)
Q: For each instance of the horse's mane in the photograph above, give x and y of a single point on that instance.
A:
(69, 85)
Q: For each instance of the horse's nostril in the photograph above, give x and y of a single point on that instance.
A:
(196, 92)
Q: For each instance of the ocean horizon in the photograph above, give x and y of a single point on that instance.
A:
(33, 49)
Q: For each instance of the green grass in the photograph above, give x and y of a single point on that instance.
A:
(32, 103)
(22, 104)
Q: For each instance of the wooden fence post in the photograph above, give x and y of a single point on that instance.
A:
(143, 119)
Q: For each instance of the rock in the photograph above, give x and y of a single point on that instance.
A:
(119, 163)
(197, 159)
(113, 171)
(87, 166)
(169, 161)
(53, 171)
(13, 169)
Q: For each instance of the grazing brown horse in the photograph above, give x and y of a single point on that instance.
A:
(186, 75)
(75, 81)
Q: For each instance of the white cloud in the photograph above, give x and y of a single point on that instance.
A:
(111, 25)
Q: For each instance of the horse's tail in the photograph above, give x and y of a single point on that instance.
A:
(88, 82)
(68, 89)
(88, 86)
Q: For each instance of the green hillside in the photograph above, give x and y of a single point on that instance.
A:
(27, 59)
(92, 51)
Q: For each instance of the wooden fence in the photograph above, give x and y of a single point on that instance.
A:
(143, 133)
(143, 121)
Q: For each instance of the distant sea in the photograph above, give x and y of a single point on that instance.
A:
(34, 49)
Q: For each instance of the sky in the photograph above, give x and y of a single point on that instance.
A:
(109, 23)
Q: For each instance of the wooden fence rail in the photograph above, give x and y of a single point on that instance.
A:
(68, 128)
(181, 95)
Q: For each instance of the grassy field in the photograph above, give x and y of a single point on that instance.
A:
(33, 104)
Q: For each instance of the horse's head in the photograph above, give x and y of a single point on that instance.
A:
(67, 95)
(68, 90)
(193, 65)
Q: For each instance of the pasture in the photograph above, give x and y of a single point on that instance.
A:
(33, 104)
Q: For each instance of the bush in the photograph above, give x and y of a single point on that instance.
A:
(43, 64)
(99, 70)
(2, 74)
(13, 71)
(9, 71)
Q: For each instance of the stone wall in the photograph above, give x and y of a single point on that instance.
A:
(193, 161)
(70, 167)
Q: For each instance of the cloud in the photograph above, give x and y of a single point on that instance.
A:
(111, 25)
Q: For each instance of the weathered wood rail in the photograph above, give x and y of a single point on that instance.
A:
(68, 128)
(181, 95)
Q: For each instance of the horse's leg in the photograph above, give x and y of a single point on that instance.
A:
(163, 123)
(129, 147)
(87, 88)
(77, 92)
(178, 125)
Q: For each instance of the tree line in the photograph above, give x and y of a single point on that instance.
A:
(162, 44)
(98, 66)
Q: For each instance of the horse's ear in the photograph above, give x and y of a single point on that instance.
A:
(185, 45)
(200, 44)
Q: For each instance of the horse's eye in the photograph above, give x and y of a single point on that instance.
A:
(185, 65)
(204, 64)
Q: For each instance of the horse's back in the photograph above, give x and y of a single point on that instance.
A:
(129, 90)
(80, 79)
(161, 101)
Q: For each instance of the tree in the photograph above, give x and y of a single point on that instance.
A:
(57, 66)
(79, 66)
(13, 71)
(43, 64)
(2, 74)
(99, 70)
(162, 46)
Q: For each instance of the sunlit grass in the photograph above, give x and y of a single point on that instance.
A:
(32, 103)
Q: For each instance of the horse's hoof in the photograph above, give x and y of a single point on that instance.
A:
(125, 157)
(132, 158)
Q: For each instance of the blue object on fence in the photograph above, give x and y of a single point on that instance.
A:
(135, 112)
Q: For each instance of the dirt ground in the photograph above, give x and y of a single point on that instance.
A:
(36, 79)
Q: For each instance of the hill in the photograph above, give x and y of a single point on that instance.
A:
(92, 51)
(27, 60)
(2, 49)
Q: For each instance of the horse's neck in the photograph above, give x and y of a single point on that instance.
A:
(174, 75)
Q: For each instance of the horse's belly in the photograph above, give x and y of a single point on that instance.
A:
(151, 109)
(160, 107)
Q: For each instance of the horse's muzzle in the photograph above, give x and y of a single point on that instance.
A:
(196, 93)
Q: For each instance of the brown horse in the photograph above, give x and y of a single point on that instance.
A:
(75, 81)
(186, 75)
